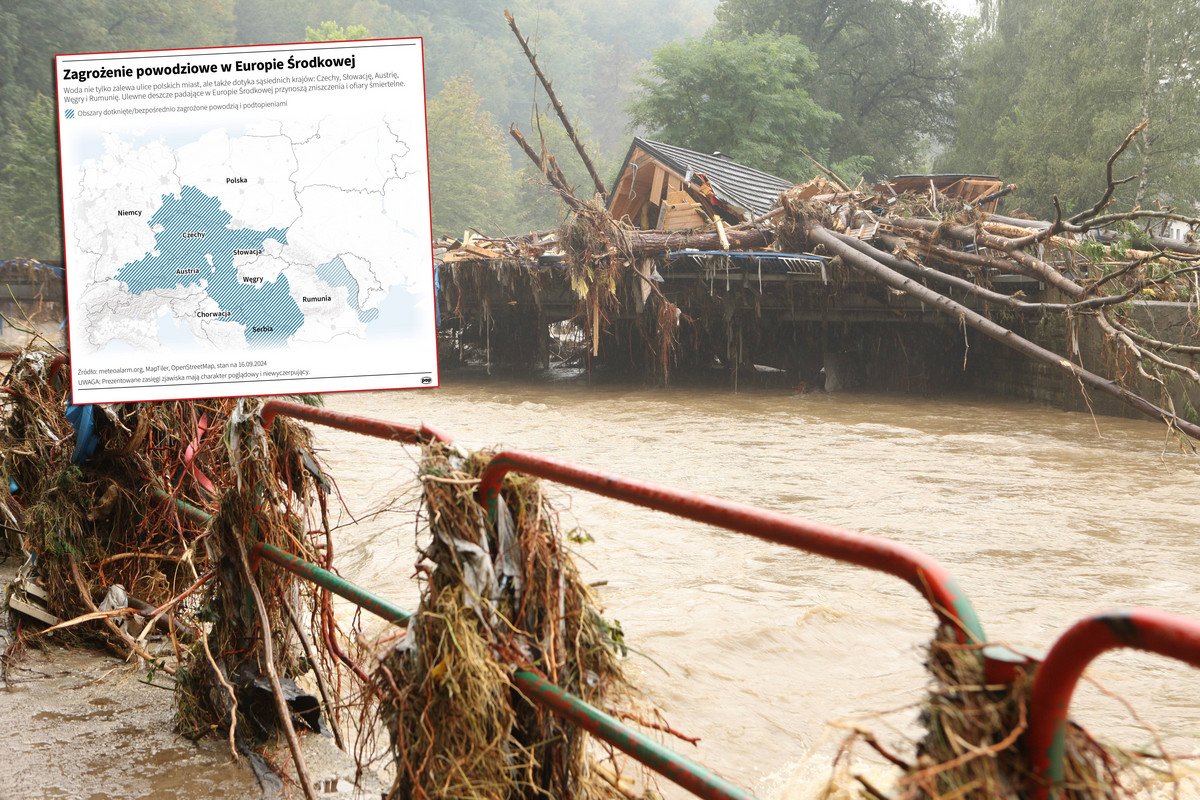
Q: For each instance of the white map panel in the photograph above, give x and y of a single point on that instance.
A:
(245, 221)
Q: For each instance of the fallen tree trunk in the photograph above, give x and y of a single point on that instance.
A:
(1169, 245)
(657, 243)
(965, 233)
(853, 257)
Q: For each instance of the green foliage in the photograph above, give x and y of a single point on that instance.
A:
(472, 180)
(330, 31)
(1137, 236)
(888, 68)
(31, 32)
(612, 634)
(744, 96)
(266, 21)
(30, 215)
(1072, 106)
(1190, 413)
(1092, 249)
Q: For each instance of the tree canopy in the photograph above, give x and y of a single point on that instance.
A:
(591, 49)
(888, 68)
(745, 97)
(1054, 87)
(472, 182)
(1040, 92)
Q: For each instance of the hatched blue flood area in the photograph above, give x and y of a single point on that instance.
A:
(335, 274)
(183, 260)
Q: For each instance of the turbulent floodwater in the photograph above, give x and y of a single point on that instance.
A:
(1043, 516)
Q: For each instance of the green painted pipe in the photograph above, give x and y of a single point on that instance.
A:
(698, 780)
(185, 507)
(692, 776)
(334, 583)
(688, 774)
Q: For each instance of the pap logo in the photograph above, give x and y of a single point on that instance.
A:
(427, 380)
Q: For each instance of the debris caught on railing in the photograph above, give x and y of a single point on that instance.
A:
(975, 743)
(119, 543)
(497, 593)
(508, 660)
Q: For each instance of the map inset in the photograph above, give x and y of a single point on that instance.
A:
(195, 247)
(252, 241)
(247, 220)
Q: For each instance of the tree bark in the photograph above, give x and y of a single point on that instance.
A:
(657, 243)
(865, 263)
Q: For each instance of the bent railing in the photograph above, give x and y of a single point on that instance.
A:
(1054, 681)
(929, 577)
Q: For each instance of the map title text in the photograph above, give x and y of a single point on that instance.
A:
(188, 68)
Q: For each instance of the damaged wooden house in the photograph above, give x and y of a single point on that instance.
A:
(696, 265)
(739, 304)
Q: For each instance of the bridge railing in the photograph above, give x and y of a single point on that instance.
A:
(932, 580)
(1054, 679)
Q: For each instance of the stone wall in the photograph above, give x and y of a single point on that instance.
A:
(1001, 371)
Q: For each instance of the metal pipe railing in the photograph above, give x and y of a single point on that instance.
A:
(184, 507)
(334, 583)
(1055, 679)
(692, 776)
(368, 426)
(925, 574)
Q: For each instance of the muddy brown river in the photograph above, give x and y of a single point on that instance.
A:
(1043, 516)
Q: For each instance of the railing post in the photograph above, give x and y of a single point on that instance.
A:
(1055, 679)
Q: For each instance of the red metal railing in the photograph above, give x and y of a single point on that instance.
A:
(1054, 682)
(927, 575)
(381, 429)
(907, 563)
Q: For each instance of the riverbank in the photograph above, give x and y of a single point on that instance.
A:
(83, 724)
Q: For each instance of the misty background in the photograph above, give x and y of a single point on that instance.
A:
(1037, 92)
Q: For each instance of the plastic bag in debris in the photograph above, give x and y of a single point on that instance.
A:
(262, 711)
(508, 556)
(478, 573)
(83, 420)
(118, 598)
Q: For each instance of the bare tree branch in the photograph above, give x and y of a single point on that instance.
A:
(558, 108)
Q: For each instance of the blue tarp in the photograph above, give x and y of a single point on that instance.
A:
(83, 419)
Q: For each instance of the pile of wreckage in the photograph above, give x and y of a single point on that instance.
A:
(693, 260)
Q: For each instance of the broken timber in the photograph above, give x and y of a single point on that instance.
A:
(689, 264)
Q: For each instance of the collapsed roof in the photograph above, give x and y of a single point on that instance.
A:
(654, 173)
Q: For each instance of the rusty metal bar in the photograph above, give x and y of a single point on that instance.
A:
(1054, 682)
(394, 431)
(925, 574)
